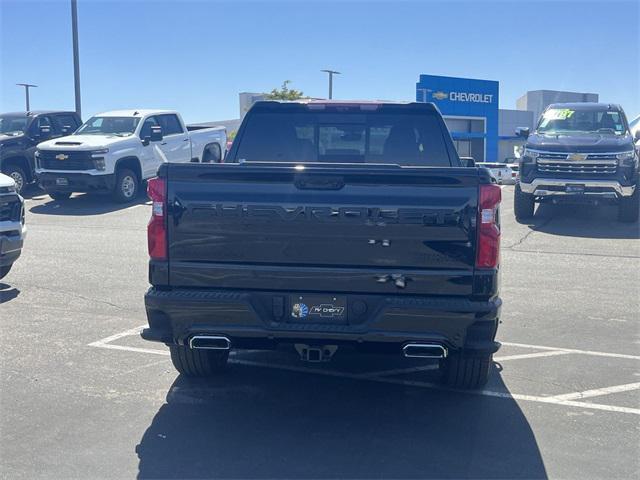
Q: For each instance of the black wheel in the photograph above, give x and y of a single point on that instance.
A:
(18, 175)
(523, 204)
(126, 188)
(4, 271)
(60, 196)
(460, 370)
(198, 363)
(629, 207)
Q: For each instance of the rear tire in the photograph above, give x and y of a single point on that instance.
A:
(4, 271)
(523, 204)
(126, 187)
(18, 175)
(60, 196)
(629, 208)
(198, 363)
(464, 371)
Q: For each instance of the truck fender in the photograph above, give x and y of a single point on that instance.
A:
(132, 163)
(19, 160)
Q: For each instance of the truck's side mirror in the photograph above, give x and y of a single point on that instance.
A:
(522, 132)
(154, 135)
(44, 132)
(468, 162)
(215, 153)
(636, 136)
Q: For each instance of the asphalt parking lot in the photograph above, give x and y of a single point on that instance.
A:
(82, 396)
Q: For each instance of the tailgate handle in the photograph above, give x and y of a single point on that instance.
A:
(319, 183)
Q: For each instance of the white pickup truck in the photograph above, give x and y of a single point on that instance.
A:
(116, 151)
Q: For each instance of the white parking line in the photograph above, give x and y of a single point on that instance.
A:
(551, 353)
(596, 392)
(127, 333)
(567, 400)
(575, 350)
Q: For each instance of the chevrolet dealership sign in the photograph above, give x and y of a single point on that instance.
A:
(470, 97)
(458, 96)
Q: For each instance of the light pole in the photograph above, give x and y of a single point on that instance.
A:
(26, 92)
(331, 74)
(76, 60)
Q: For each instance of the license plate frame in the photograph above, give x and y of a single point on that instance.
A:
(318, 309)
(575, 188)
(62, 182)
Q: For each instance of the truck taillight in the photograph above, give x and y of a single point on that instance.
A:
(488, 247)
(157, 230)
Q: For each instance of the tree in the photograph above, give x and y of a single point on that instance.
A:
(284, 93)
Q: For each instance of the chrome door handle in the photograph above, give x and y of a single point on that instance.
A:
(185, 140)
(163, 143)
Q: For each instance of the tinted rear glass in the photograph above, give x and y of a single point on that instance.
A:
(346, 137)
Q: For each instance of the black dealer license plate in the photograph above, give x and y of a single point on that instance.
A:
(318, 308)
(61, 181)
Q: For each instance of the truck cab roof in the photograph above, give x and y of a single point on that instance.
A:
(33, 113)
(586, 106)
(141, 112)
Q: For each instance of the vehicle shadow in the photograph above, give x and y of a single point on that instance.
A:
(261, 423)
(85, 204)
(33, 191)
(582, 221)
(7, 292)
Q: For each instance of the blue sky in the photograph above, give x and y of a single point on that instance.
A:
(195, 56)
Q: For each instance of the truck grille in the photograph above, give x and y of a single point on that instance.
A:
(10, 209)
(594, 163)
(74, 160)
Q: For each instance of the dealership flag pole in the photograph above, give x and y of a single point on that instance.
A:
(76, 61)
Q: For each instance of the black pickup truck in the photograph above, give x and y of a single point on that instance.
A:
(331, 226)
(20, 133)
(579, 153)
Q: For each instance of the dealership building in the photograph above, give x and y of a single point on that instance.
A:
(470, 107)
(478, 126)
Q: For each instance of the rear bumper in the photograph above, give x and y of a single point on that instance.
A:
(548, 187)
(76, 182)
(11, 242)
(256, 320)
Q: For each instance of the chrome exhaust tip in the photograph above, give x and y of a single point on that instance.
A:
(424, 350)
(210, 342)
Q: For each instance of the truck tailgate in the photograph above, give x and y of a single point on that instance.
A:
(337, 228)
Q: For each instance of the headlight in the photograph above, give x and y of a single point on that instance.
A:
(102, 151)
(9, 189)
(626, 155)
(529, 155)
(626, 159)
(37, 154)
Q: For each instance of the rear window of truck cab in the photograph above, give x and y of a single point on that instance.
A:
(412, 138)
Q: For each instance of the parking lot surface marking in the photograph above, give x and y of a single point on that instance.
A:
(550, 353)
(596, 392)
(574, 350)
(567, 400)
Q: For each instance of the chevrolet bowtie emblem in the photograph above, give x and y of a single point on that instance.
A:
(577, 157)
(440, 95)
(61, 156)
